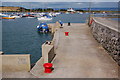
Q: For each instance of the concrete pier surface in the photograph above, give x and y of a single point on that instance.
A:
(79, 56)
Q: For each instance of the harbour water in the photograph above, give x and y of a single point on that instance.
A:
(20, 35)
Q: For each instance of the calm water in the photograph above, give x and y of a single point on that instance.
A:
(20, 36)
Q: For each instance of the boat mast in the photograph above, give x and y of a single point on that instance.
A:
(89, 10)
(43, 7)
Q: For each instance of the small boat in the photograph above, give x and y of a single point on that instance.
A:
(67, 13)
(4, 15)
(45, 18)
(81, 13)
(8, 17)
(71, 10)
(53, 14)
(43, 27)
(16, 16)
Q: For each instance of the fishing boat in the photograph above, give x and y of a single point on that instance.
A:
(4, 15)
(43, 27)
(81, 13)
(70, 10)
(53, 14)
(16, 16)
(66, 12)
(45, 18)
(8, 17)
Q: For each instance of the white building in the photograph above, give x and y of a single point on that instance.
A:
(71, 10)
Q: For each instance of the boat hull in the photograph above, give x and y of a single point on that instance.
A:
(43, 28)
(44, 19)
(8, 17)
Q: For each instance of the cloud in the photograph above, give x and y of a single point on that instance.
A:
(59, 0)
(79, 3)
(96, 2)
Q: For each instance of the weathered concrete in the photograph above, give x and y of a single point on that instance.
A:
(54, 27)
(15, 66)
(21, 74)
(15, 63)
(79, 56)
(47, 52)
(106, 32)
(0, 67)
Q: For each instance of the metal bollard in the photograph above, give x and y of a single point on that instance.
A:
(48, 67)
(66, 33)
(68, 23)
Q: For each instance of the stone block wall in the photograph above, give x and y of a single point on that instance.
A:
(107, 37)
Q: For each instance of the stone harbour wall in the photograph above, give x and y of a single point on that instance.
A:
(107, 36)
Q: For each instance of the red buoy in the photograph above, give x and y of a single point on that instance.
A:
(48, 67)
(66, 33)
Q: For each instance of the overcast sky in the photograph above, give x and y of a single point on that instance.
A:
(61, 4)
(60, 0)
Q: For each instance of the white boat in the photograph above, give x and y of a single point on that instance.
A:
(81, 12)
(44, 18)
(67, 13)
(57, 13)
(53, 14)
(16, 16)
(4, 15)
(50, 14)
(71, 10)
(41, 14)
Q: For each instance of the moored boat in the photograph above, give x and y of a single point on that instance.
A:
(46, 17)
(8, 17)
(4, 15)
(43, 27)
(15, 16)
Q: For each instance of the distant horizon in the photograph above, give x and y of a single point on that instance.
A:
(96, 9)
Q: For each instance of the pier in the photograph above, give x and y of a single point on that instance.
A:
(82, 54)
(79, 56)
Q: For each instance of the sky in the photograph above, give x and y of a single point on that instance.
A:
(61, 4)
(60, 0)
